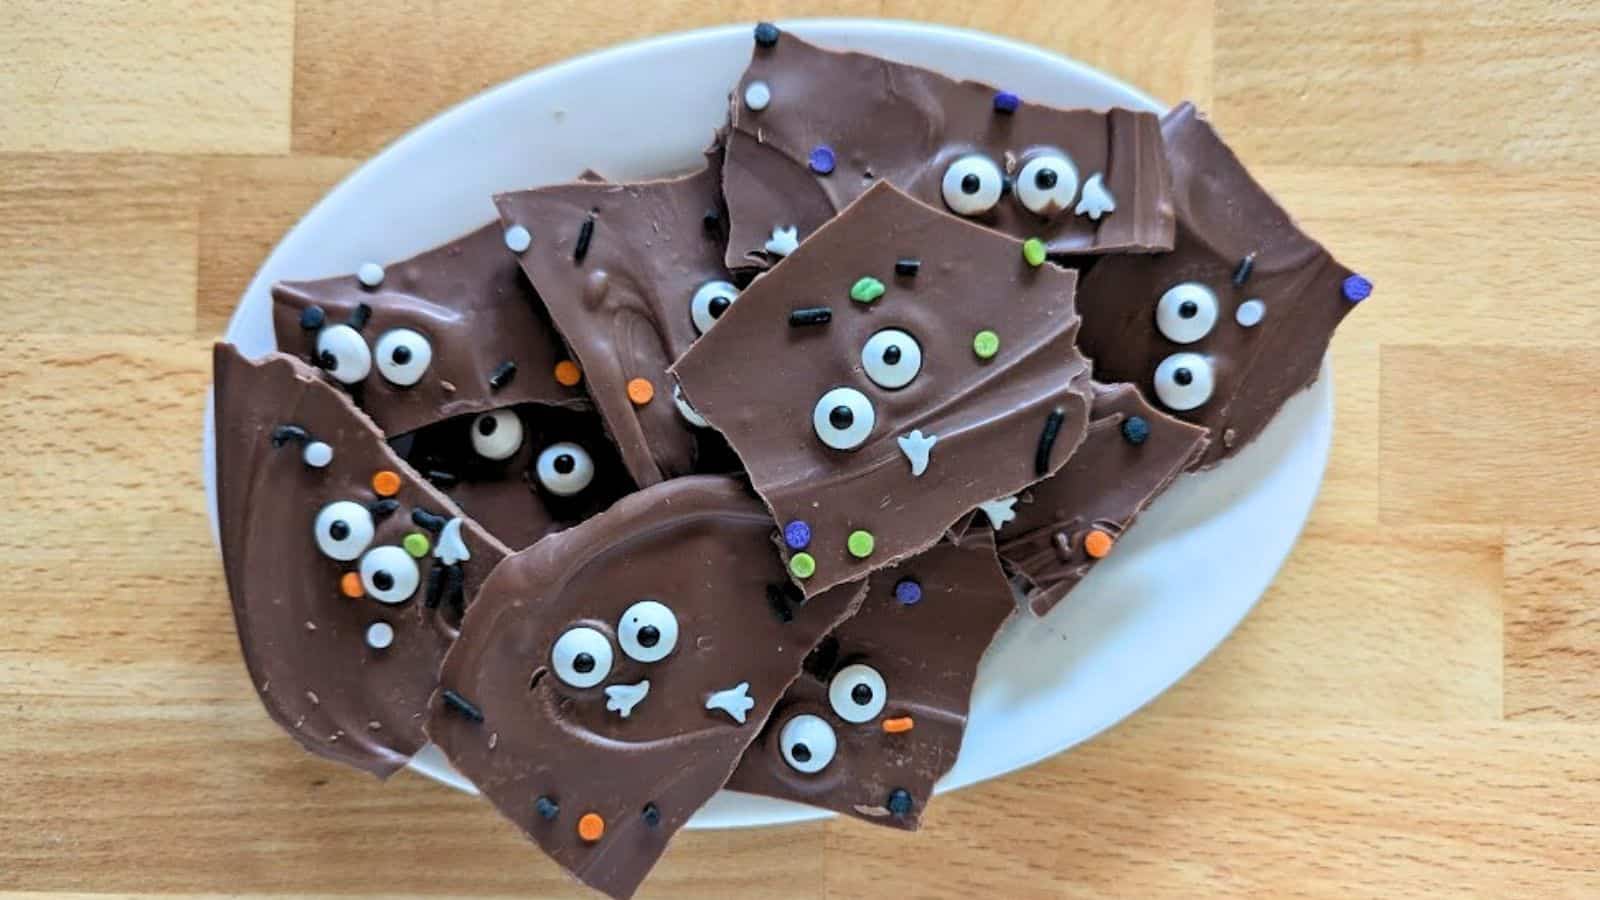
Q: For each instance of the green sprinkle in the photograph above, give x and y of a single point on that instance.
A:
(416, 544)
(986, 344)
(802, 565)
(860, 544)
(1033, 251)
(866, 290)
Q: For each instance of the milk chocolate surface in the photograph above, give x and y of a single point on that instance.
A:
(834, 123)
(468, 300)
(311, 649)
(841, 440)
(1271, 294)
(616, 671)
(619, 267)
(878, 714)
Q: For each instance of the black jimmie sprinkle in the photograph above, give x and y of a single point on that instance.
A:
(585, 235)
(461, 705)
(907, 267)
(1047, 440)
(286, 433)
(359, 318)
(435, 586)
(712, 221)
(651, 815)
(502, 375)
(441, 478)
(1241, 273)
(428, 520)
(810, 315)
(384, 508)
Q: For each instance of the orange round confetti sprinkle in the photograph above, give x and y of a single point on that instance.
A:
(641, 391)
(898, 725)
(350, 585)
(1097, 543)
(568, 374)
(386, 483)
(591, 827)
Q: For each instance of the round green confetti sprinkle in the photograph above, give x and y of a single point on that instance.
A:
(866, 290)
(986, 344)
(860, 544)
(1033, 251)
(802, 565)
(416, 544)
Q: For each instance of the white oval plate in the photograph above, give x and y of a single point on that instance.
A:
(1180, 581)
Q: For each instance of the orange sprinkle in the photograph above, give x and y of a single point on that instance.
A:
(899, 725)
(386, 483)
(1097, 543)
(350, 585)
(641, 391)
(568, 374)
(591, 827)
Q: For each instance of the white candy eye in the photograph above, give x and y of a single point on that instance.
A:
(1183, 381)
(581, 657)
(1186, 312)
(843, 418)
(402, 356)
(972, 185)
(565, 469)
(858, 693)
(497, 434)
(892, 358)
(710, 302)
(1047, 184)
(343, 353)
(344, 529)
(807, 743)
(648, 631)
(389, 574)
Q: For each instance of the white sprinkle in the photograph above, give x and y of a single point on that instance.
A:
(1096, 199)
(450, 548)
(317, 454)
(783, 241)
(689, 413)
(734, 701)
(518, 239)
(999, 512)
(380, 635)
(622, 698)
(757, 95)
(370, 274)
(1250, 313)
(916, 447)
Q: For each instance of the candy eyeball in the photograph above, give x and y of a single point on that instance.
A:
(858, 693)
(402, 356)
(564, 468)
(807, 743)
(343, 530)
(710, 301)
(1186, 312)
(581, 657)
(389, 574)
(1047, 183)
(497, 434)
(1184, 381)
(892, 358)
(843, 418)
(972, 185)
(647, 631)
(343, 353)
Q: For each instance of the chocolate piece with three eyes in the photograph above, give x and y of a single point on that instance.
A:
(926, 391)
(632, 274)
(1236, 319)
(347, 571)
(878, 715)
(813, 128)
(608, 678)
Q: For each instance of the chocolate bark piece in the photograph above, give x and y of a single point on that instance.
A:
(304, 527)
(918, 397)
(522, 472)
(485, 335)
(1071, 520)
(631, 274)
(608, 678)
(878, 714)
(1236, 319)
(1082, 181)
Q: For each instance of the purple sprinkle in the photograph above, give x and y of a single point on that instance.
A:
(797, 535)
(1357, 289)
(822, 159)
(1006, 102)
(908, 591)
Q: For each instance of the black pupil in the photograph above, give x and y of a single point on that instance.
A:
(564, 464)
(718, 306)
(583, 664)
(327, 360)
(841, 417)
(970, 183)
(401, 355)
(1045, 179)
(891, 354)
(1188, 309)
(382, 580)
(801, 753)
(861, 694)
(649, 636)
(339, 530)
(1183, 376)
(487, 425)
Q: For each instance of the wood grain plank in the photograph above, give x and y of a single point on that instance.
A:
(1552, 625)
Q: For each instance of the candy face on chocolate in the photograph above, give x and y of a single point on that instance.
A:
(452, 331)
(878, 714)
(632, 274)
(609, 677)
(813, 128)
(347, 571)
(917, 398)
(1235, 320)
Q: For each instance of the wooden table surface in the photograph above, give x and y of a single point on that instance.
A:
(1413, 710)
